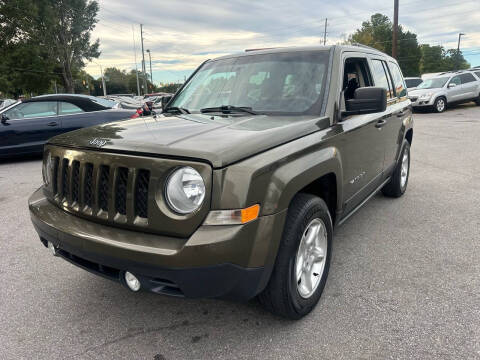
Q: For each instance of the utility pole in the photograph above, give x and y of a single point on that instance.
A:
(135, 55)
(325, 33)
(151, 73)
(143, 62)
(395, 29)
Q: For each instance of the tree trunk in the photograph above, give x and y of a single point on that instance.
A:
(67, 77)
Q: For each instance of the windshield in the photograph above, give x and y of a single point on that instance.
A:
(267, 83)
(433, 83)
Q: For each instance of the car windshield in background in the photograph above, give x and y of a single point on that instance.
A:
(282, 83)
(412, 82)
(104, 102)
(433, 83)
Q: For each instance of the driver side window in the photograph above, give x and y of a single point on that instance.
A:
(456, 80)
(355, 75)
(32, 110)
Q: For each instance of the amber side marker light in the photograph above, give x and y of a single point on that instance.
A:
(233, 217)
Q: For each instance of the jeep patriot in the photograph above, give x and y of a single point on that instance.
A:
(234, 190)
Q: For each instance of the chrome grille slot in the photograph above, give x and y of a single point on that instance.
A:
(121, 191)
(141, 193)
(88, 185)
(103, 187)
(75, 181)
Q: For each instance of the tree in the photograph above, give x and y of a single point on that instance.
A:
(437, 59)
(56, 31)
(377, 33)
(66, 26)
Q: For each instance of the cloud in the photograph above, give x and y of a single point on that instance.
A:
(182, 34)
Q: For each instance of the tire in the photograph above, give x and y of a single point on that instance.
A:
(397, 185)
(477, 100)
(440, 104)
(282, 295)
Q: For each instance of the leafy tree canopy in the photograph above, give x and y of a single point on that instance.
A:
(414, 59)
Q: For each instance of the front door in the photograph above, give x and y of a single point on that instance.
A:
(362, 145)
(28, 126)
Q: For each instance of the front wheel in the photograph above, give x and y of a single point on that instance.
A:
(303, 259)
(397, 185)
(440, 105)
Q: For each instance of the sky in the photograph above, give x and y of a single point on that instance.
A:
(182, 34)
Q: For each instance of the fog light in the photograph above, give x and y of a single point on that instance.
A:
(132, 282)
(52, 248)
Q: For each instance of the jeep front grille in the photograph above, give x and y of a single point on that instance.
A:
(86, 187)
(123, 190)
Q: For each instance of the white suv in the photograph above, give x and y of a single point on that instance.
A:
(447, 88)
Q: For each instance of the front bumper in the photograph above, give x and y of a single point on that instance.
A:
(422, 102)
(215, 261)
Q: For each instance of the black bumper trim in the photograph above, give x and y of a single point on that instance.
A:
(228, 281)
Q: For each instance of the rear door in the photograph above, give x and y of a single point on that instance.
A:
(29, 126)
(401, 110)
(469, 86)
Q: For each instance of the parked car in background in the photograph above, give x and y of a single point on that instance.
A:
(26, 125)
(6, 102)
(412, 82)
(446, 89)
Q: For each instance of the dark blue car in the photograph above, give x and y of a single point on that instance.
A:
(27, 125)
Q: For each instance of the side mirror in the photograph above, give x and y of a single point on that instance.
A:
(4, 118)
(451, 85)
(166, 100)
(366, 100)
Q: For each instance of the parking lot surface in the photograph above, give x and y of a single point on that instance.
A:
(404, 280)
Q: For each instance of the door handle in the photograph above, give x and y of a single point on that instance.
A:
(52, 123)
(380, 123)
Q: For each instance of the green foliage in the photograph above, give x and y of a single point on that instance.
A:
(414, 59)
(437, 59)
(377, 33)
(54, 33)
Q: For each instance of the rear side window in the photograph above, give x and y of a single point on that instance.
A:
(398, 82)
(467, 78)
(66, 108)
(381, 77)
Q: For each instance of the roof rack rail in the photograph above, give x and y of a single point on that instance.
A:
(364, 46)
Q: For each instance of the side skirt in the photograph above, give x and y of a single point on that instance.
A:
(355, 209)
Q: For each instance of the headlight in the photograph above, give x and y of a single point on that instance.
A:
(47, 170)
(185, 190)
(426, 96)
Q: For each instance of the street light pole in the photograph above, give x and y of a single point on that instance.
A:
(150, 58)
(103, 79)
(458, 49)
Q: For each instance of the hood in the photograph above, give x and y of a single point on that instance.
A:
(420, 92)
(219, 140)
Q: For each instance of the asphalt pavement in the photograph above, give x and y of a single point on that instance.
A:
(404, 281)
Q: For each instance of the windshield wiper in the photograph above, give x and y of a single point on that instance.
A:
(228, 109)
(178, 109)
